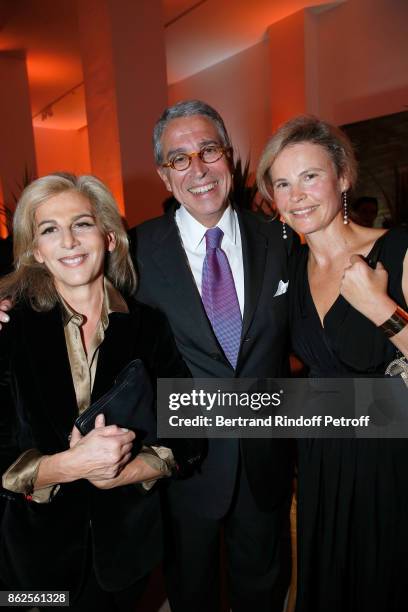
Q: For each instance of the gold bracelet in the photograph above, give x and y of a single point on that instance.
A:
(397, 321)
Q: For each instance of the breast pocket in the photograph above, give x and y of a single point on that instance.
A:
(281, 288)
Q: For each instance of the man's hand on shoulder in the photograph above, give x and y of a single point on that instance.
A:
(5, 305)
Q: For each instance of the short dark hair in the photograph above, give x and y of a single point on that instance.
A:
(187, 108)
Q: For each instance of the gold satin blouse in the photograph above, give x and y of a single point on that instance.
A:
(21, 475)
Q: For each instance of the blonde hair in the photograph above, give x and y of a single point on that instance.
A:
(30, 279)
(306, 128)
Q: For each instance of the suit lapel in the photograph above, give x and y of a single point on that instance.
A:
(170, 257)
(172, 260)
(48, 358)
(254, 250)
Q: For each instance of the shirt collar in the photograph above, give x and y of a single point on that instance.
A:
(112, 302)
(193, 231)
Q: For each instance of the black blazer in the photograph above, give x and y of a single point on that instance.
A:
(45, 546)
(166, 281)
(6, 255)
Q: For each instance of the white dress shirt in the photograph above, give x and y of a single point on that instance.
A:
(192, 234)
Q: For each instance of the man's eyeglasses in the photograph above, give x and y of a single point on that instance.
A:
(208, 154)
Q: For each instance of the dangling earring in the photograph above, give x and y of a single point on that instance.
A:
(284, 234)
(345, 212)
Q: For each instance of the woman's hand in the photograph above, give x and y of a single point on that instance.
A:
(102, 453)
(365, 289)
(5, 305)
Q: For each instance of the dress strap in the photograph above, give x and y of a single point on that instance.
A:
(372, 257)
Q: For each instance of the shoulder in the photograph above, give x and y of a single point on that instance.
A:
(393, 256)
(6, 255)
(22, 318)
(258, 221)
(151, 228)
(20, 312)
(397, 236)
(148, 236)
(394, 245)
(271, 229)
(386, 245)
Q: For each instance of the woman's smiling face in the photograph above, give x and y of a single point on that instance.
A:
(69, 242)
(306, 188)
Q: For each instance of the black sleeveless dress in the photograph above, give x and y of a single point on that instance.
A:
(352, 493)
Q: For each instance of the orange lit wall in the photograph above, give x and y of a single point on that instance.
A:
(124, 65)
(344, 64)
(3, 226)
(363, 60)
(100, 95)
(17, 155)
(65, 150)
(287, 66)
(141, 96)
(239, 89)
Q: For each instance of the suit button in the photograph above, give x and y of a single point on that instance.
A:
(247, 339)
(216, 357)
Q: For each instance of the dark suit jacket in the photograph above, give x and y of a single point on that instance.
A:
(6, 255)
(165, 281)
(45, 546)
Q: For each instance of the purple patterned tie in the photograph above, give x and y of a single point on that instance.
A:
(220, 296)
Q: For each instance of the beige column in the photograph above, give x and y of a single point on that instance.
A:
(123, 55)
(17, 153)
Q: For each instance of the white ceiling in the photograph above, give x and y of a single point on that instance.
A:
(198, 34)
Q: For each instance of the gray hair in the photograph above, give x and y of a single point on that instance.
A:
(187, 108)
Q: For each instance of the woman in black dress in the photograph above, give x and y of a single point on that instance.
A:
(352, 493)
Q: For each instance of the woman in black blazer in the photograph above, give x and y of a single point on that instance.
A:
(73, 517)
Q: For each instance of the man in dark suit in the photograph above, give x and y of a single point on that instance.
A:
(244, 487)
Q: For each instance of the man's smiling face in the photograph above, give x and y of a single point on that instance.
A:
(203, 189)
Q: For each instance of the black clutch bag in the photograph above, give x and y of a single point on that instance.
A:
(129, 403)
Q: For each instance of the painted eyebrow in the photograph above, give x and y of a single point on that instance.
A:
(202, 144)
(300, 174)
(73, 219)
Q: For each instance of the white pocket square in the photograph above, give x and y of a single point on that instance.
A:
(282, 288)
